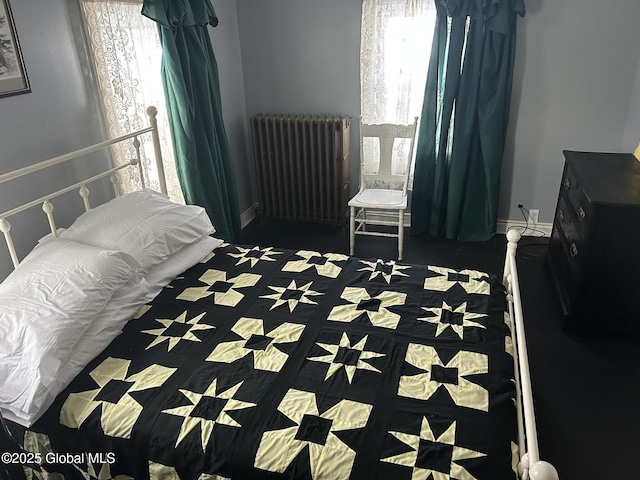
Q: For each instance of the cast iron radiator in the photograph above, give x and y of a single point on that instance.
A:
(302, 166)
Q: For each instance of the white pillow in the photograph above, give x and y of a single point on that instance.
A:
(145, 224)
(100, 333)
(119, 310)
(46, 305)
(185, 258)
(109, 323)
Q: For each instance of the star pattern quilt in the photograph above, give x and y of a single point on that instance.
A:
(263, 363)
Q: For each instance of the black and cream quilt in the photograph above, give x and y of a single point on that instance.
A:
(264, 363)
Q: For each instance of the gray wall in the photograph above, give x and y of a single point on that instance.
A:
(226, 45)
(302, 56)
(632, 132)
(577, 63)
(576, 81)
(60, 115)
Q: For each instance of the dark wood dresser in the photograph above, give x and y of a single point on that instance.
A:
(594, 252)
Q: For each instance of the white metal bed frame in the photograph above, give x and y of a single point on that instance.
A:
(47, 206)
(530, 466)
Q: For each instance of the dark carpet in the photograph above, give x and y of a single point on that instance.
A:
(585, 385)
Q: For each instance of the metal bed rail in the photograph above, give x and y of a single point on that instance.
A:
(530, 465)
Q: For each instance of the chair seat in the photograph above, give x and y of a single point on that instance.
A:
(382, 207)
(379, 198)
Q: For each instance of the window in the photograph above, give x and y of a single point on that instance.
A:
(127, 55)
(394, 58)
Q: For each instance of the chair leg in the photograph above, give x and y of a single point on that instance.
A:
(400, 234)
(352, 230)
(364, 219)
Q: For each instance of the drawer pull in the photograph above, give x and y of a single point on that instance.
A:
(581, 213)
(567, 184)
(561, 215)
(573, 250)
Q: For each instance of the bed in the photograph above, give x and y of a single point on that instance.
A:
(162, 352)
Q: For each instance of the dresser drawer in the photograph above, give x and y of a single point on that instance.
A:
(565, 274)
(577, 201)
(570, 232)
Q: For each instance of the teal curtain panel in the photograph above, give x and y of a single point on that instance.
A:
(464, 119)
(192, 90)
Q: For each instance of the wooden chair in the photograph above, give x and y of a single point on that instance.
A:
(382, 198)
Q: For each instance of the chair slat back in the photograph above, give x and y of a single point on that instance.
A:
(386, 135)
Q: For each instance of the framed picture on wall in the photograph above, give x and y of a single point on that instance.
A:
(13, 76)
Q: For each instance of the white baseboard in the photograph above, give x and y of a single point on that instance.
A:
(248, 215)
(539, 229)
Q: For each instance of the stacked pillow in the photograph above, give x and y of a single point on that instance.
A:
(72, 295)
(145, 224)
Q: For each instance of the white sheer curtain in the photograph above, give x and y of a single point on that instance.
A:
(395, 46)
(127, 54)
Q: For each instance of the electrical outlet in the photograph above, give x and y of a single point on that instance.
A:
(533, 216)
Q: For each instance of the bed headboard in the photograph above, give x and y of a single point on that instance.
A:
(45, 200)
